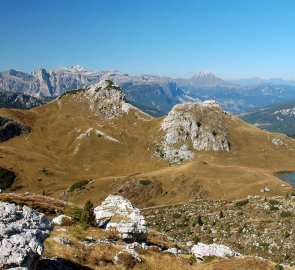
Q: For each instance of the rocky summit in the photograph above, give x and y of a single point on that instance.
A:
(107, 99)
(117, 213)
(199, 126)
(22, 232)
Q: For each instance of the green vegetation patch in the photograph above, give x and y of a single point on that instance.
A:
(241, 203)
(286, 214)
(78, 185)
(144, 182)
(6, 178)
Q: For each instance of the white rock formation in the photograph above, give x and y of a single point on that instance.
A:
(202, 250)
(107, 99)
(199, 126)
(117, 213)
(63, 220)
(22, 232)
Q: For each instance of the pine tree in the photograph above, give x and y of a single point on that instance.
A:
(88, 217)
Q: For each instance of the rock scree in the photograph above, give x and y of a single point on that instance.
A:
(22, 233)
(188, 126)
(117, 213)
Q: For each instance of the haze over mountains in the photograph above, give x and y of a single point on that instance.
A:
(154, 94)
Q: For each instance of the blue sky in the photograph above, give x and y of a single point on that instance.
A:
(232, 38)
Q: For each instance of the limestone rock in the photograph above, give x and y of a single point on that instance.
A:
(202, 250)
(63, 220)
(117, 213)
(22, 232)
(199, 126)
(107, 99)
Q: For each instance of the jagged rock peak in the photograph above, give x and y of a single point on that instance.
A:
(22, 233)
(188, 126)
(117, 213)
(205, 75)
(107, 99)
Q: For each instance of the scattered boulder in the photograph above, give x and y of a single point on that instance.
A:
(199, 126)
(10, 128)
(202, 250)
(117, 213)
(22, 233)
(63, 220)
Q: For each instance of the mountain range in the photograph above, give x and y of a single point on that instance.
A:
(275, 118)
(155, 95)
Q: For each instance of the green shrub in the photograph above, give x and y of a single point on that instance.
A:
(274, 202)
(241, 203)
(196, 239)
(74, 211)
(285, 214)
(273, 208)
(176, 215)
(279, 267)
(6, 178)
(145, 182)
(78, 185)
(200, 221)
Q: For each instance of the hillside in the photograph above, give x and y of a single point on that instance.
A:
(277, 118)
(90, 143)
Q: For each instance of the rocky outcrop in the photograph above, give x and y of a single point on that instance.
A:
(107, 99)
(188, 126)
(202, 250)
(22, 232)
(10, 128)
(117, 213)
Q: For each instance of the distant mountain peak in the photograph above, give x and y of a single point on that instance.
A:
(204, 75)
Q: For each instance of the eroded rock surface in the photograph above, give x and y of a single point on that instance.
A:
(188, 126)
(22, 233)
(10, 128)
(107, 99)
(117, 213)
(202, 250)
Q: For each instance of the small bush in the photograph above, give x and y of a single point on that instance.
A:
(273, 208)
(241, 203)
(274, 202)
(176, 215)
(286, 214)
(78, 185)
(6, 178)
(74, 212)
(144, 182)
(279, 267)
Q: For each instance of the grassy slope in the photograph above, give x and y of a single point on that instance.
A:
(46, 159)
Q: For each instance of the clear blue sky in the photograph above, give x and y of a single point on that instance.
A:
(232, 38)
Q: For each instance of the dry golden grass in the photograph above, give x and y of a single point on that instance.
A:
(52, 158)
